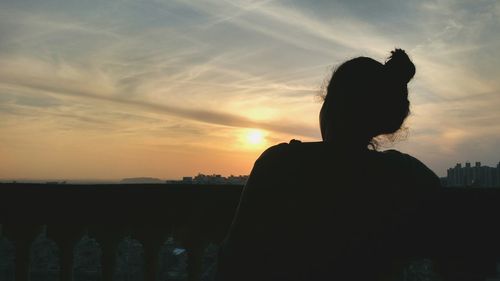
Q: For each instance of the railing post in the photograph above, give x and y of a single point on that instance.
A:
(65, 236)
(23, 236)
(151, 252)
(151, 238)
(22, 260)
(195, 252)
(108, 237)
(108, 259)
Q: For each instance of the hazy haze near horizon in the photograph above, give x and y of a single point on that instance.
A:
(116, 89)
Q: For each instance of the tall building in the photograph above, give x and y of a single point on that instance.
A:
(497, 183)
(479, 176)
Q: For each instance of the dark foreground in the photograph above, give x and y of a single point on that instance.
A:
(176, 224)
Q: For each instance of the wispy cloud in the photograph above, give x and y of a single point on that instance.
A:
(67, 87)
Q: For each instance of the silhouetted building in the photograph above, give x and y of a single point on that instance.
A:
(218, 179)
(477, 175)
(211, 179)
(187, 179)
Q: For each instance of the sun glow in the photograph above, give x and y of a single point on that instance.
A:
(255, 137)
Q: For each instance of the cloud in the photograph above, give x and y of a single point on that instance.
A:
(69, 88)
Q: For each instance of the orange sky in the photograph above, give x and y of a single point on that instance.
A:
(93, 90)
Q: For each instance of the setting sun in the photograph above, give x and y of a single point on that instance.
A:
(255, 137)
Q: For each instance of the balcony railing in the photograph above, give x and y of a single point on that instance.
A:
(197, 216)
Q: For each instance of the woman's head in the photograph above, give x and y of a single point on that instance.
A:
(365, 99)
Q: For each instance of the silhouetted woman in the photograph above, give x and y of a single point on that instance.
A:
(337, 209)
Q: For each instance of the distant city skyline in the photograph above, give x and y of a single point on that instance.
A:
(116, 89)
(200, 178)
(477, 175)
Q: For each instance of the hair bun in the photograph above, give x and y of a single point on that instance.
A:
(400, 66)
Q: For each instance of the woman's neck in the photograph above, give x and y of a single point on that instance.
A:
(350, 143)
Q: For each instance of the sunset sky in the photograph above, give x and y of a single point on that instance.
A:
(114, 89)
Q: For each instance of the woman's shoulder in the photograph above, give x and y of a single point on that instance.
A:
(412, 166)
(285, 150)
(404, 158)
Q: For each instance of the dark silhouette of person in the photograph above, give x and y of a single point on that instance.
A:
(337, 209)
